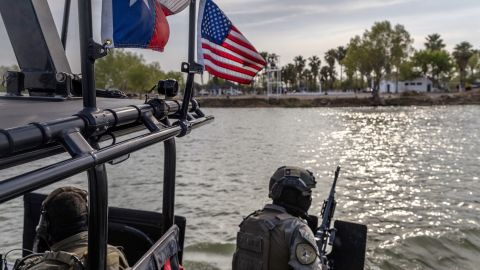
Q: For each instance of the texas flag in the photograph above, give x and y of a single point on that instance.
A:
(138, 23)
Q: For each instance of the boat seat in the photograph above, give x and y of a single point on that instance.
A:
(132, 241)
(124, 224)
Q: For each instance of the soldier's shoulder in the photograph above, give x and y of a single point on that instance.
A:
(116, 258)
(293, 221)
(305, 254)
(304, 232)
(29, 262)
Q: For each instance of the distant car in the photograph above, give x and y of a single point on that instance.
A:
(233, 92)
(367, 90)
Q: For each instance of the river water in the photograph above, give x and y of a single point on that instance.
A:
(410, 173)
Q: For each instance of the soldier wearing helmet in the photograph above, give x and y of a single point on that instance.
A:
(63, 228)
(278, 236)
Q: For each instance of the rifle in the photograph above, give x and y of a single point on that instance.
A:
(324, 234)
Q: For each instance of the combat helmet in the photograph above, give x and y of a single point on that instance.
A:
(64, 213)
(291, 187)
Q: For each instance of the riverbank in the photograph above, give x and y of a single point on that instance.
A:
(343, 100)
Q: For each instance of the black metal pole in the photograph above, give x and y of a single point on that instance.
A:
(97, 218)
(77, 146)
(66, 17)
(87, 60)
(188, 94)
(169, 169)
(191, 31)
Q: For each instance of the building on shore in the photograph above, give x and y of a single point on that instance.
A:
(421, 85)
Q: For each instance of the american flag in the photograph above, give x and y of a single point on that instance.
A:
(222, 49)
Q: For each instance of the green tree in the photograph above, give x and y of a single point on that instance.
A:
(462, 54)
(289, 75)
(314, 62)
(401, 47)
(128, 71)
(271, 59)
(358, 61)
(378, 51)
(474, 64)
(299, 63)
(433, 64)
(408, 71)
(339, 56)
(330, 58)
(308, 76)
(324, 72)
(434, 42)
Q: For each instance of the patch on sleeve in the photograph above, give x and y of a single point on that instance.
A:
(305, 253)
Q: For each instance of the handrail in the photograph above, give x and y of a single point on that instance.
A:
(32, 136)
(16, 186)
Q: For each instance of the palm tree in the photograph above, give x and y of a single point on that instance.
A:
(462, 54)
(340, 55)
(314, 62)
(330, 57)
(474, 63)
(289, 75)
(324, 74)
(272, 60)
(434, 42)
(299, 63)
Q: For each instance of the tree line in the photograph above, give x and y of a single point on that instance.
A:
(384, 51)
(129, 72)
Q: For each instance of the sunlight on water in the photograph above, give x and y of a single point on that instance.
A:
(410, 174)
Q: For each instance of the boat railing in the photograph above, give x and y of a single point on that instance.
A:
(80, 134)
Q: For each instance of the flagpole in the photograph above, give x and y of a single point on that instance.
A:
(191, 32)
(191, 67)
(86, 43)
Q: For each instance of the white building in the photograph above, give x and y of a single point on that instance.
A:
(417, 85)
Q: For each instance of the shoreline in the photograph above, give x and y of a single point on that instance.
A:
(360, 100)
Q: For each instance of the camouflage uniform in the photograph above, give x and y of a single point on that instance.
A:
(272, 239)
(71, 254)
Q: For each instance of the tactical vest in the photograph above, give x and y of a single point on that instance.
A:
(74, 260)
(54, 260)
(262, 243)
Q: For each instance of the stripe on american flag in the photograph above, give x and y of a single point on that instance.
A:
(227, 63)
(221, 51)
(227, 74)
(222, 48)
(239, 65)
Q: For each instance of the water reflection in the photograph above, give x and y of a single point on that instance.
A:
(410, 173)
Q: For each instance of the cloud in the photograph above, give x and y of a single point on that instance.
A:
(310, 7)
(293, 27)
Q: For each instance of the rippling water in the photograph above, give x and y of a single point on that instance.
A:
(410, 173)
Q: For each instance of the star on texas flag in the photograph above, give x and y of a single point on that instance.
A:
(138, 23)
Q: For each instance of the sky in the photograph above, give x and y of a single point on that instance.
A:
(295, 27)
